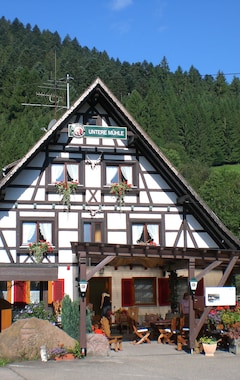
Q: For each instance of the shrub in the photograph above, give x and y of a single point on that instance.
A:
(36, 310)
(71, 318)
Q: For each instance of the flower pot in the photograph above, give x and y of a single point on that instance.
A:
(209, 349)
(65, 357)
(234, 346)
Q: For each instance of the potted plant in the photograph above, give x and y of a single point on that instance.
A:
(38, 249)
(66, 188)
(62, 353)
(119, 190)
(209, 344)
(233, 335)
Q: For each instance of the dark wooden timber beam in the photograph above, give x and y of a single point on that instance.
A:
(99, 266)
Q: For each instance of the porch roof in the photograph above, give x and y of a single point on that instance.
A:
(153, 256)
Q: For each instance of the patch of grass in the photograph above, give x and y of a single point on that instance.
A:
(232, 168)
(4, 362)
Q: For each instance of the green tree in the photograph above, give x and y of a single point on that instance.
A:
(222, 193)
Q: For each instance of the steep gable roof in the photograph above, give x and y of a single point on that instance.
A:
(98, 92)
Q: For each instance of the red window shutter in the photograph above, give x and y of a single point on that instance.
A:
(20, 291)
(58, 290)
(127, 292)
(163, 292)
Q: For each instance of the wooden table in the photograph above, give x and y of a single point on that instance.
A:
(164, 328)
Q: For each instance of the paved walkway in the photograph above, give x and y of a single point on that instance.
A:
(146, 361)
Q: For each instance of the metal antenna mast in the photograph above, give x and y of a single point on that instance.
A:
(51, 90)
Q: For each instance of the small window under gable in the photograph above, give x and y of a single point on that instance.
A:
(146, 233)
(64, 172)
(119, 173)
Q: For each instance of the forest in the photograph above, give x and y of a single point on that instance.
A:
(194, 120)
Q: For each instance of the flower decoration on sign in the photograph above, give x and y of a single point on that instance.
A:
(119, 190)
(38, 249)
(66, 188)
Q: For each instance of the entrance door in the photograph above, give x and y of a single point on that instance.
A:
(96, 286)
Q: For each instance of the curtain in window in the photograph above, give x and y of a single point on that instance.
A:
(153, 232)
(137, 230)
(57, 173)
(112, 174)
(127, 173)
(46, 231)
(72, 171)
(29, 233)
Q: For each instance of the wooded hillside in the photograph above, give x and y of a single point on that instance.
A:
(194, 120)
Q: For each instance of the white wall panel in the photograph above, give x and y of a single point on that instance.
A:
(27, 177)
(10, 237)
(4, 257)
(67, 275)
(65, 238)
(155, 181)
(68, 220)
(143, 197)
(170, 238)
(116, 221)
(162, 197)
(173, 221)
(93, 176)
(40, 195)
(204, 240)
(193, 223)
(7, 219)
(117, 237)
(145, 164)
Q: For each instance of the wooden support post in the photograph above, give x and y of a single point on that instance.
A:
(191, 274)
(82, 301)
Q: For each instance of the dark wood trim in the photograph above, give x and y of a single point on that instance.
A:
(203, 256)
(28, 272)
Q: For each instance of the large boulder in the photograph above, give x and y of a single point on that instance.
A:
(24, 338)
(97, 345)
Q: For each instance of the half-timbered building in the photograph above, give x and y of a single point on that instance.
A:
(132, 242)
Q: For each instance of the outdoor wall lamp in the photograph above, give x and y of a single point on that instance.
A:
(83, 288)
(193, 285)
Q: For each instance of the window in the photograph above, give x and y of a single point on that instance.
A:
(145, 233)
(144, 291)
(3, 289)
(119, 173)
(92, 232)
(34, 291)
(35, 231)
(139, 291)
(64, 172)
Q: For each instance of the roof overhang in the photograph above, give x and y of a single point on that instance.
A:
(28, 272)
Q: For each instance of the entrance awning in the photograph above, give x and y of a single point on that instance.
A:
(28, 272)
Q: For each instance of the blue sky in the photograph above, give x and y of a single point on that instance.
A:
(202, 33)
